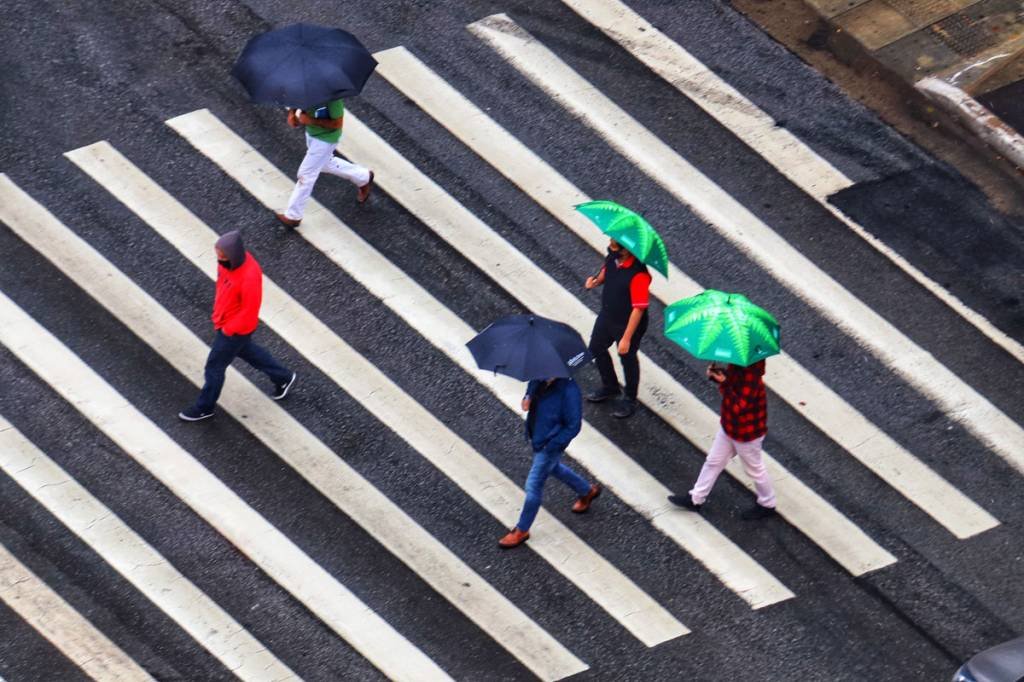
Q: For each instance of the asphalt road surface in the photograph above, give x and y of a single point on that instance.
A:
(350, 532)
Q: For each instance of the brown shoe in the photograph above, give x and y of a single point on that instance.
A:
(286, 221)
(583, 504)
(514, 538)
(364, 191)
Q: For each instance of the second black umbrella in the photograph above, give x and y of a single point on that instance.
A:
(529, 347)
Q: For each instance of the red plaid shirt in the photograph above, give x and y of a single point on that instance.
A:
(744, 402)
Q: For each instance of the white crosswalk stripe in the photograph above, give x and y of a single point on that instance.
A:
(800, 388)
(136, 561)
(267, 547)
(795, 160)
(732, 220)
(445, 330)
(62, 626)
(353, 373)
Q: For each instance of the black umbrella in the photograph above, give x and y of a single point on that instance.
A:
(529, 347)
(303, 65)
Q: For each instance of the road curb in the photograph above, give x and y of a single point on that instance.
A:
(975, 117)
(976, 121)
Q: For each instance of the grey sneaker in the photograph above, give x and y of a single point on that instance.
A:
(282, 390)
(194, 414)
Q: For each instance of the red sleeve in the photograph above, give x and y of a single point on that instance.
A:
(639, 289)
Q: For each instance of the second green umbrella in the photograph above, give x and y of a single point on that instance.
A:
(722, 327)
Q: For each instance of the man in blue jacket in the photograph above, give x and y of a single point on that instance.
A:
(554, 416)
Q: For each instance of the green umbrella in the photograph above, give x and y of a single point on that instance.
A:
(722, 327)
(630, 230)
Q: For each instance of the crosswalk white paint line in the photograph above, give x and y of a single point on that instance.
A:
(539, 292)
(62, 626)
(449, 333)
(140, 438)
(762, 245)
(135, 560)
(795, 160)
(803, 166)
(800, 388)
(484, 482)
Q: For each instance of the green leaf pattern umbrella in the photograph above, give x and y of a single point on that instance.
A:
(722, 327)
(629, 229)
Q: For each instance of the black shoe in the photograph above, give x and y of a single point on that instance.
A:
(758, 512)
(686, 502)
(602, 395)
(194, 414)
(627, 406)
(282, 390)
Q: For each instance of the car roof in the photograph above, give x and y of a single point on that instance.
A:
(1002, 663)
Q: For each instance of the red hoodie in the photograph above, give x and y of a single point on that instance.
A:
(236, 307)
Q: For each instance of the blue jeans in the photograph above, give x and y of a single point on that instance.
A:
(225, 349)
(547, 464)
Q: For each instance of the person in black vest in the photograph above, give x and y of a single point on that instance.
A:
(623, 319)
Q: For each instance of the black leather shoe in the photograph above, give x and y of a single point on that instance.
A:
(758, 512)
(602, 394)
(686, 502)
(626, 408)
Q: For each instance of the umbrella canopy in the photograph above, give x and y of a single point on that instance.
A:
(529, 347)
(629, 229)
(303, 65)
(722, 327)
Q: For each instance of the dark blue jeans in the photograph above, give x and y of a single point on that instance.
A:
(546, 464)
(222, 352)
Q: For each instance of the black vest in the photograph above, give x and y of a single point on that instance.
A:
(616, 303)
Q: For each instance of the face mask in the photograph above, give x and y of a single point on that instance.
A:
(225, 263)
(616, 254)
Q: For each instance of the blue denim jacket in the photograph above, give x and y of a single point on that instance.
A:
(556, 414)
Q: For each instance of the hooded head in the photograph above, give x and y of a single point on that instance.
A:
(230, 245)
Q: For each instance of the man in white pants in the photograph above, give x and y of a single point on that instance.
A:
(323, 130)
(744, 424)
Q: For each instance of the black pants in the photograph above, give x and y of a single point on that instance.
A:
(604, 335)
(222, 352)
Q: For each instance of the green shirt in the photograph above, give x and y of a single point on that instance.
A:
(336, 109)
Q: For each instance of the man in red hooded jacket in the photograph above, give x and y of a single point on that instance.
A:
(236, 312)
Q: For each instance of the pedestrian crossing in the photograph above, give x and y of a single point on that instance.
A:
(774, 143)
(429, 317)
(648, 616)
(70, 633)
(323, 595)
(739, 225)
(491, 489)
(128, 554)
(800, 388)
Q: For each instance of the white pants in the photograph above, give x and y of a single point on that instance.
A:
(722, 450)
(320, 159)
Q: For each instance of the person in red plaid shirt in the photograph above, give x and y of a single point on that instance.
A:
(743, 427)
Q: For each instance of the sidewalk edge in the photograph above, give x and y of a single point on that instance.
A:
(975, 117)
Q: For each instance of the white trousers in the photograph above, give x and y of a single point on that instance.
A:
(722, 450)
(320, 159)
